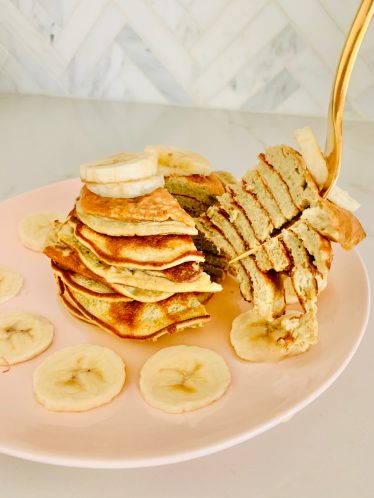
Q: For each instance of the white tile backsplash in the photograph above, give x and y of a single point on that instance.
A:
(260, 55)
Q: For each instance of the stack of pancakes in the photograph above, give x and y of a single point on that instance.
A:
(277, 215)
(196, 193)
(130, 266)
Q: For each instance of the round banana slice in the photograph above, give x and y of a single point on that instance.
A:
(127, 190)
(120, 168)
(33, 229)
(257, 339)
(79, 378)
(183, 378)
(23, 335)
(10, 283)
(172, 160)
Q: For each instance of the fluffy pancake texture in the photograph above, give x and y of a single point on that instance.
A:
(148, 252)
(277, 215)
(157, 206)
(130, 266)
(196, 193)
(135, 320)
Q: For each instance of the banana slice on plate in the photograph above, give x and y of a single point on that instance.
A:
(257, 339)
(121, 167)
(33, 229)
(79, 378)
(10, 283)
(181, 379)
(173, 160)
(128, 189)
(23, 335)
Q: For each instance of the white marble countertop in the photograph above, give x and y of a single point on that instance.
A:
(326, 450)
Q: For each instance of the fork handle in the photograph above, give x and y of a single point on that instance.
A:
(333, 147)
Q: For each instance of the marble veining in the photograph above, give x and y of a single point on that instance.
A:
(274, 56)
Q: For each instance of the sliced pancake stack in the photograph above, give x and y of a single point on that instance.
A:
(277, 216)
(129, 264)
(190, 179)
(196, 193)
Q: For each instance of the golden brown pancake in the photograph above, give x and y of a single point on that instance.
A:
(68, 259)
(148, 252)
(87, 285)
(196, 186)
(141, 320)
(157, 206)
(194, 280)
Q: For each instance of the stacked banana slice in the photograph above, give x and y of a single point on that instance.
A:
(125, 259)
(277, 230)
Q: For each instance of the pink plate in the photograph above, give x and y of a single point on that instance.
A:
(127, 432)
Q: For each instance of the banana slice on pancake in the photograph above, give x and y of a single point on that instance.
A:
(128, 189)
(259, 340)
(123, 167)
(23, 335)
(182, 162)
(33, 230)
(181, 379)
(79, 378)
(10, 283)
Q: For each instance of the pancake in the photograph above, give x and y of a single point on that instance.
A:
(291, 167)
(145, 280)
(203, 189)
(217, 236)
(318, 247)
(302, 273)
(278, 188)
(141, 320)
(116, 228)
(152, 214)
(195, 194)
(72, 308)
(335, 223)
(253, 183)
(149, 252)
(88, 286)
(68, 259)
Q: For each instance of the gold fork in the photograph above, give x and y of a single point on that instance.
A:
(333, 147)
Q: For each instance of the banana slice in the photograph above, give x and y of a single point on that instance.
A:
(120, 168)
(33, 229)
(23, 335)
(257, 339)
(343, 199)
(79, 378)
(10, 283)
(129, 189)
(316, 165)
(181, 379)
(312, 155)
(172, 160)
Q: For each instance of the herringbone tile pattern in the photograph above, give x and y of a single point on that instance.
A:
(259, 55)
